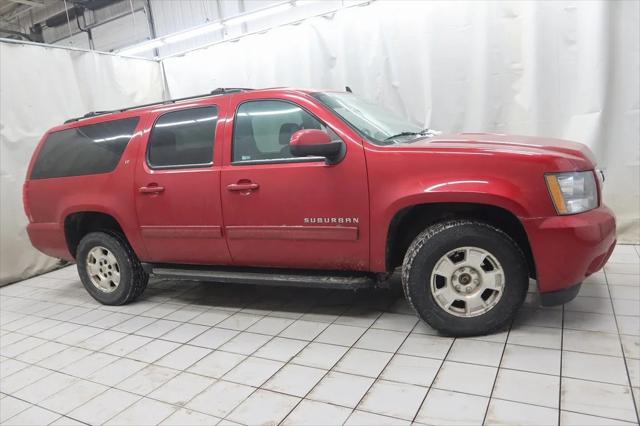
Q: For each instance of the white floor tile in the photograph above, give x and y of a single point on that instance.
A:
(467, 378)
(320, 355)
(568, 418)
(311, 413)
(382, 340)
(363, 362)
(10, 406)
(34, 415)
(220, 398)
(364, 418)
(452, 408)
(264, 407)
(213, 338)
(245, 343)
(144, 412)
(116, 372)
(502, 412)
(45, 387)
(598, 399)
(216, 364)
(253, 371)
(393, 399)
(476, 352)
(594, 367)
(181, 389)
(270, 325)
(183, 357)
(153, 351)
(411, 369)
(589, 322)
(396, 322)
(22, 378)
(540, 337)
(304, 330)
(526, 387)
(537, 360)
(104, 406)
(426, 346)
(592, 342)
(73, 396)
(341, 389)
(281, 349)
(185, 332)
(337, 334)
(296, 380)
(147, 380)
(188, 417)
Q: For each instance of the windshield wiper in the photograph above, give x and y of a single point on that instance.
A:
(403, 134)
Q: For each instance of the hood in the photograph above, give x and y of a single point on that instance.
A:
(526, 145)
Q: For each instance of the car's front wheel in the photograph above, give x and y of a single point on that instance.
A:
(464, 277)
(109, 269)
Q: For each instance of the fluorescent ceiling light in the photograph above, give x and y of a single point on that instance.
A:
(143, 47)
(261, 13)
(198, 31)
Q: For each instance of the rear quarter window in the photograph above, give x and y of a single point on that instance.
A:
(84, 150)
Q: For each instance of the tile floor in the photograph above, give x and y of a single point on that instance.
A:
(197, 353)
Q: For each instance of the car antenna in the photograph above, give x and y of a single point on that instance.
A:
(348, 89)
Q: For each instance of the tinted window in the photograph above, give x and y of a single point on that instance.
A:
(263, 129)
(183, 138)
(84, 150)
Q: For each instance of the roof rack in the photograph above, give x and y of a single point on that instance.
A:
(216, 92)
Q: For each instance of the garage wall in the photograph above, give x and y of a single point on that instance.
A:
(41, 87)
(563, 69)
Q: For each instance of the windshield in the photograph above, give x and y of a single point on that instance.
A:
(378, 124)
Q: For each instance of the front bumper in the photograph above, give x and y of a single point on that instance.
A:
(567, 249)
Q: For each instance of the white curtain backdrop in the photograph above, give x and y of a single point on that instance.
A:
(40, 87)
(568, 69)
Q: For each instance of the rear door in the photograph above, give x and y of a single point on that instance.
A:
(177, 186)
(283, 211)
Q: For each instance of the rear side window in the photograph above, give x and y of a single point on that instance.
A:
(183, 138)
(84, 150)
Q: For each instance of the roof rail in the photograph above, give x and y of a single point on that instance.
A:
(216, 92)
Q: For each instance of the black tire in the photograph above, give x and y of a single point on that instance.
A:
(133, 279)
(438, 240)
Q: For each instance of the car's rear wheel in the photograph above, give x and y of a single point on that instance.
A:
(109, 269)
(465, 278)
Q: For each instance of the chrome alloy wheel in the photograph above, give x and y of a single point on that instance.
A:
(467, 282)
(103, 269)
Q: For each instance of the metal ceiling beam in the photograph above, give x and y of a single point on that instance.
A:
(29, 2)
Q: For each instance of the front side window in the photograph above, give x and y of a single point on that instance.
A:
(263, 129)
(183, 138)
(84, 150)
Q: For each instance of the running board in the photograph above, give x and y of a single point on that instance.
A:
(264, 276)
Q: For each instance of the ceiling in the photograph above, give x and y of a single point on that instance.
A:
(10, 10)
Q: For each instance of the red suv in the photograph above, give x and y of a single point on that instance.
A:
(317, 188)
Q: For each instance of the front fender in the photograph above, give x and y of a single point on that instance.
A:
(491, 192)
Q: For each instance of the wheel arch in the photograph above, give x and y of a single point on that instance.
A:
(410, 220)
(79, 223)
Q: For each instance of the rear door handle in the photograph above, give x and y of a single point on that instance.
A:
(249, 186)
(151, 189)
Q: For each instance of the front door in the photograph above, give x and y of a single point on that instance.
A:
(178, 188)
(284, 211)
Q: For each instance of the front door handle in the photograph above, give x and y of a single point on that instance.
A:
(243, 186)
(151, 189)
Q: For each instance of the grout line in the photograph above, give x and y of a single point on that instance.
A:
(495, 379)
(624, 357)
(560, 377)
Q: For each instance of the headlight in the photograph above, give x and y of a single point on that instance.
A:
(573, 192)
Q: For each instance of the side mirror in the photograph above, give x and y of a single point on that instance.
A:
(316, 143)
